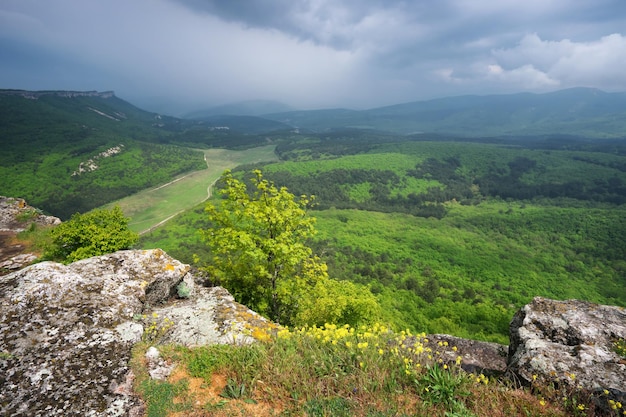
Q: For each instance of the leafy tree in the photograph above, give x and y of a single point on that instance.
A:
(259, 249)
(91, 234)
(333, 301)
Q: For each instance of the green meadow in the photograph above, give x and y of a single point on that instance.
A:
(152, 207)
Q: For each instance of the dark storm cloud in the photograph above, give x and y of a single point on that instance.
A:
(312, 53)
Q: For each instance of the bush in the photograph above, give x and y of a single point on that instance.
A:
(91, 234)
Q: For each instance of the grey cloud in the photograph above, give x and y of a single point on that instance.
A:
(311, 53)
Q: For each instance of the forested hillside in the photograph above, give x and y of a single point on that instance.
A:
(454, 236)
(67, 152)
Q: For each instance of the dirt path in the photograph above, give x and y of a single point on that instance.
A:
(152, 208)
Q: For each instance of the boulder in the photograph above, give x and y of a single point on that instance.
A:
(571, 343)
(15, 217)
(66, 331)
(476, 357)
(212, 316)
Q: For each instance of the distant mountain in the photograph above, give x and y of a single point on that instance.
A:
(244, 124)
(244, 108)
(101, 112)
(578, 111)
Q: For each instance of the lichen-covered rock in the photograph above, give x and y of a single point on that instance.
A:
(66, 331)
(212, 316)
(569, 342)
(16, 215)
(477, 357)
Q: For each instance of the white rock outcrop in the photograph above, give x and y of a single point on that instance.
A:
(66, 331)
(571, 343)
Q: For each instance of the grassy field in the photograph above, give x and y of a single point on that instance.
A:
(150, 208)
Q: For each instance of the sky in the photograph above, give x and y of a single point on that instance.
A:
(184, 55)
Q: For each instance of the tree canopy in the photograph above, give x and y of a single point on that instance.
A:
(258, 242)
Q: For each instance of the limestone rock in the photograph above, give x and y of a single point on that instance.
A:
(16, 215)
(569, 342)
(210, 317)
(66, 331)
(157, 367)
(476, 356)
(18, 261)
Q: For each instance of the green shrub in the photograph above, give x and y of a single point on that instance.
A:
(91, 234)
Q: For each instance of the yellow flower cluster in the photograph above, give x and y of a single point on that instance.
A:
(377, 341)
(156, 327)
(482, 379)
(615, 405)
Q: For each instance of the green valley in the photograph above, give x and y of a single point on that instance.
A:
(453, 237)
(451, 233)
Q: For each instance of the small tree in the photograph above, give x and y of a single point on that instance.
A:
(91, 234)
(259, 246)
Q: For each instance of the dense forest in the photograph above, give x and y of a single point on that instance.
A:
(453, 236)
(451, 233)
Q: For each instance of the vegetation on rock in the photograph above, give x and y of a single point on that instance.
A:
(346, 371)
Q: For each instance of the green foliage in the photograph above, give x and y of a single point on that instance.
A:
(465, 265)
(259, 249)
(233, 389)
(159, 396)
(91, 234)
(339, 371)
(335, 406)
(26, 215)
(445, 386)
(332, 301)
(45, 141)
(183, 290)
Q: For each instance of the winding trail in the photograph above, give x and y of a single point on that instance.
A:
(151, 208)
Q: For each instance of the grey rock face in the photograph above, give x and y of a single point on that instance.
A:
(570, 342)
(66, 331)
(211, 316)
(476, 356)
(15, 215)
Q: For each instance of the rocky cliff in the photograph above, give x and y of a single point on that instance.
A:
(16, 216)
(66, 332)
(571, 343)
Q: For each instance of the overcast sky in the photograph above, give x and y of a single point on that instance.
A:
(310, 53)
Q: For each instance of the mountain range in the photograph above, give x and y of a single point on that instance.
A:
(583, 112)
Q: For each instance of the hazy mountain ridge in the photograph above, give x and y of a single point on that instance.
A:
(578, 111)
(243, 108)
